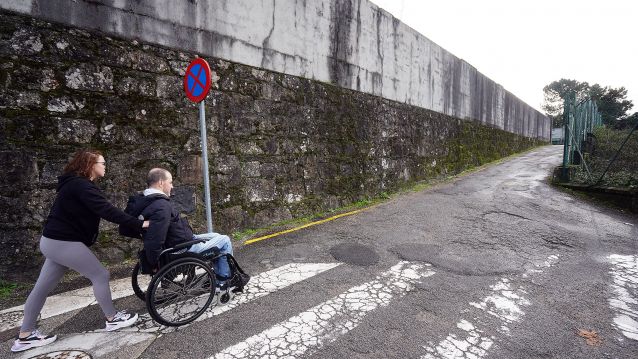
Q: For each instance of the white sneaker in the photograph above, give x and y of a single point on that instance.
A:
(35, 339)
(122, 319)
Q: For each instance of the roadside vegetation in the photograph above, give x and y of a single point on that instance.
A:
(605, 144)
(6, 288)
(623, 173)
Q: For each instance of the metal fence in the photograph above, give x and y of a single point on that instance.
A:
(581, 118)
(597, 157)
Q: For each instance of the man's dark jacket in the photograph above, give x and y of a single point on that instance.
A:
(166, 229)
(77, 209)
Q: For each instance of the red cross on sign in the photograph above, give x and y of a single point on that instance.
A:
(197, 80)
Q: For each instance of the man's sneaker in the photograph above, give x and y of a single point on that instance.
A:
(239, 281)
(220, 286)
(122, 319)
(35, 339)
(221, 283)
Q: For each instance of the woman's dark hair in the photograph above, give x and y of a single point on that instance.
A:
(82, 162)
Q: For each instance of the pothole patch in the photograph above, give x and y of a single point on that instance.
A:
(460, 260)
(64, 354)
(416, 252)
(355, 254)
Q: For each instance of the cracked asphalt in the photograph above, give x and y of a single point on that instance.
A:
(497, 264)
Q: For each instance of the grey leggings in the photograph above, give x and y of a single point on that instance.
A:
(60, 256)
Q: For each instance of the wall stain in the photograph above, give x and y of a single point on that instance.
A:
(340, 25)
(267, 53)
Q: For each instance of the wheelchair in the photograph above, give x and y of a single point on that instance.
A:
(184, 286)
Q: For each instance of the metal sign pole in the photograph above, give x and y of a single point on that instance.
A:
(197, 82)
(202, 130)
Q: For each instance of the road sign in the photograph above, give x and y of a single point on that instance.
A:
(197, 80)
(197, 83)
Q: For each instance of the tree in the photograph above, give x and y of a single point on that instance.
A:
(555, 94)
(613, 105)
(628, 122)
(612, 102)
(596, 92)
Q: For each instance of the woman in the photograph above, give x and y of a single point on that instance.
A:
(71, 228)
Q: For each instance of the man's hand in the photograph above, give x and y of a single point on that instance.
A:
(146, 224)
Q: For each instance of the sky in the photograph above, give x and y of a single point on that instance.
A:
(525, 45)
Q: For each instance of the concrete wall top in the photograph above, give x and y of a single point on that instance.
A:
(350, 43)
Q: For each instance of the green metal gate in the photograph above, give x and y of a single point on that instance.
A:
(580, 118)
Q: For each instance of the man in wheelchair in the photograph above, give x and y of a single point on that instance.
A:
(168, 229)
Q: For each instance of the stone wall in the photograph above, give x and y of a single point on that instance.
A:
(280, 146)
(349, 43)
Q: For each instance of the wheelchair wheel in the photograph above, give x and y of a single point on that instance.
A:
(139, 282)
(180, 292)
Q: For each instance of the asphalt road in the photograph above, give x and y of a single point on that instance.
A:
(497, 264)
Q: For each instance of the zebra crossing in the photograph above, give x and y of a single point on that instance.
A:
(327, 321)
(506, 302)
(102, 343)
(625, 289)
(303, 334)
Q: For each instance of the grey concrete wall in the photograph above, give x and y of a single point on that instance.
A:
(351, 43)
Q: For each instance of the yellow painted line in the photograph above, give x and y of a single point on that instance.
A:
(250, 241)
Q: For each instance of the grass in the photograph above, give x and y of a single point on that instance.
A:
(7, 288)
(624, 171)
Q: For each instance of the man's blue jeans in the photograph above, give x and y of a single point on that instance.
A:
(220, 241)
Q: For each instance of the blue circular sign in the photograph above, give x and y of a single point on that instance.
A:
(197, 80)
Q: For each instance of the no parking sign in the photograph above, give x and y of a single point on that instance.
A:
(197, 82)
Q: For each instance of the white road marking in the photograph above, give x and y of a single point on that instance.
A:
(67, 302)
(325, 322)
(259, 286)
(100, 343)
(625, 289)
(505, 303)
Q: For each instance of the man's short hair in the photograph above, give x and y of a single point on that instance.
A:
(155, 175)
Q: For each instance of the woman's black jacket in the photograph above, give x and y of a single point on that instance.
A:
(77, 209)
